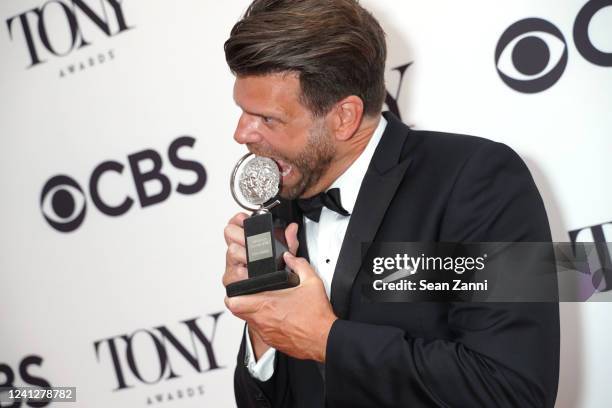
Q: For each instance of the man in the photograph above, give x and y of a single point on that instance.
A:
(310, 83)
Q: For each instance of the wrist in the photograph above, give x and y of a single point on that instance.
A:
(322, 346)
(257, 344)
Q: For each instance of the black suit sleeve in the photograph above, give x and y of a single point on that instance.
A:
(252, 393)
(501, 354)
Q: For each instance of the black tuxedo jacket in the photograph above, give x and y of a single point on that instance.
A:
(427, 186)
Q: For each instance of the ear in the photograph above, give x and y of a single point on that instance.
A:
(346, 117)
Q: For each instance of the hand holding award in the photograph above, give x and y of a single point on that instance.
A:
(257, 182)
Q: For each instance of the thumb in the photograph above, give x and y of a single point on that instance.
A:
(291, 238)
(299, 266)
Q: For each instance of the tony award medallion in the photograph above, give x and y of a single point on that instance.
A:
(255, 184)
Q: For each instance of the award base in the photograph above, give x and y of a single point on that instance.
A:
(269, 281)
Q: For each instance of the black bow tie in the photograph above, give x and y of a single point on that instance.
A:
(311, 207)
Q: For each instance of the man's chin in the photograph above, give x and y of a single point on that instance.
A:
(287, 194)
(291, 192)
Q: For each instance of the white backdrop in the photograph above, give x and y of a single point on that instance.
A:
(129, 307)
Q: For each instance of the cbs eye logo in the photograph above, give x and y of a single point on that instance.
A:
(531, 55)
(63, 203)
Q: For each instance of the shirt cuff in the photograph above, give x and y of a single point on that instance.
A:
(263, 369)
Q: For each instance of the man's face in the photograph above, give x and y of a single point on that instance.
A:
(275, 124)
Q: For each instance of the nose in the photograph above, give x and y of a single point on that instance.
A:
(247, 130)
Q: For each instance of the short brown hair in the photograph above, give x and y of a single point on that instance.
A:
(336, 46)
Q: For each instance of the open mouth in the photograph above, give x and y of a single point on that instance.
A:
(285, 168)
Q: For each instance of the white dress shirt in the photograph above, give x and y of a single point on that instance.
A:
(324, 241)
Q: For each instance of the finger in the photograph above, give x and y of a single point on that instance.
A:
(235, 255)
(299, 266)
(291, 238)
(230, 304)
(233, 233)
(234, 274)
(238, 219)
(244, 305)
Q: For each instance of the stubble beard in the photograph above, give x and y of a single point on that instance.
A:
(311, 163)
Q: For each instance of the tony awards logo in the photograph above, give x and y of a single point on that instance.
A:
(255, 184)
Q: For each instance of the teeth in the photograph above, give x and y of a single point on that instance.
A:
(286, 171)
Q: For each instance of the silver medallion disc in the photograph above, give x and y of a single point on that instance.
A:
(259, 180)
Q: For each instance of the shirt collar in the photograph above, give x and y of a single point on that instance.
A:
(349, 182)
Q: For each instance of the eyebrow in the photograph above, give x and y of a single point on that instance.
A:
(274, 115)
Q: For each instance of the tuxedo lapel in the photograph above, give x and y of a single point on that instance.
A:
(384, 174)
